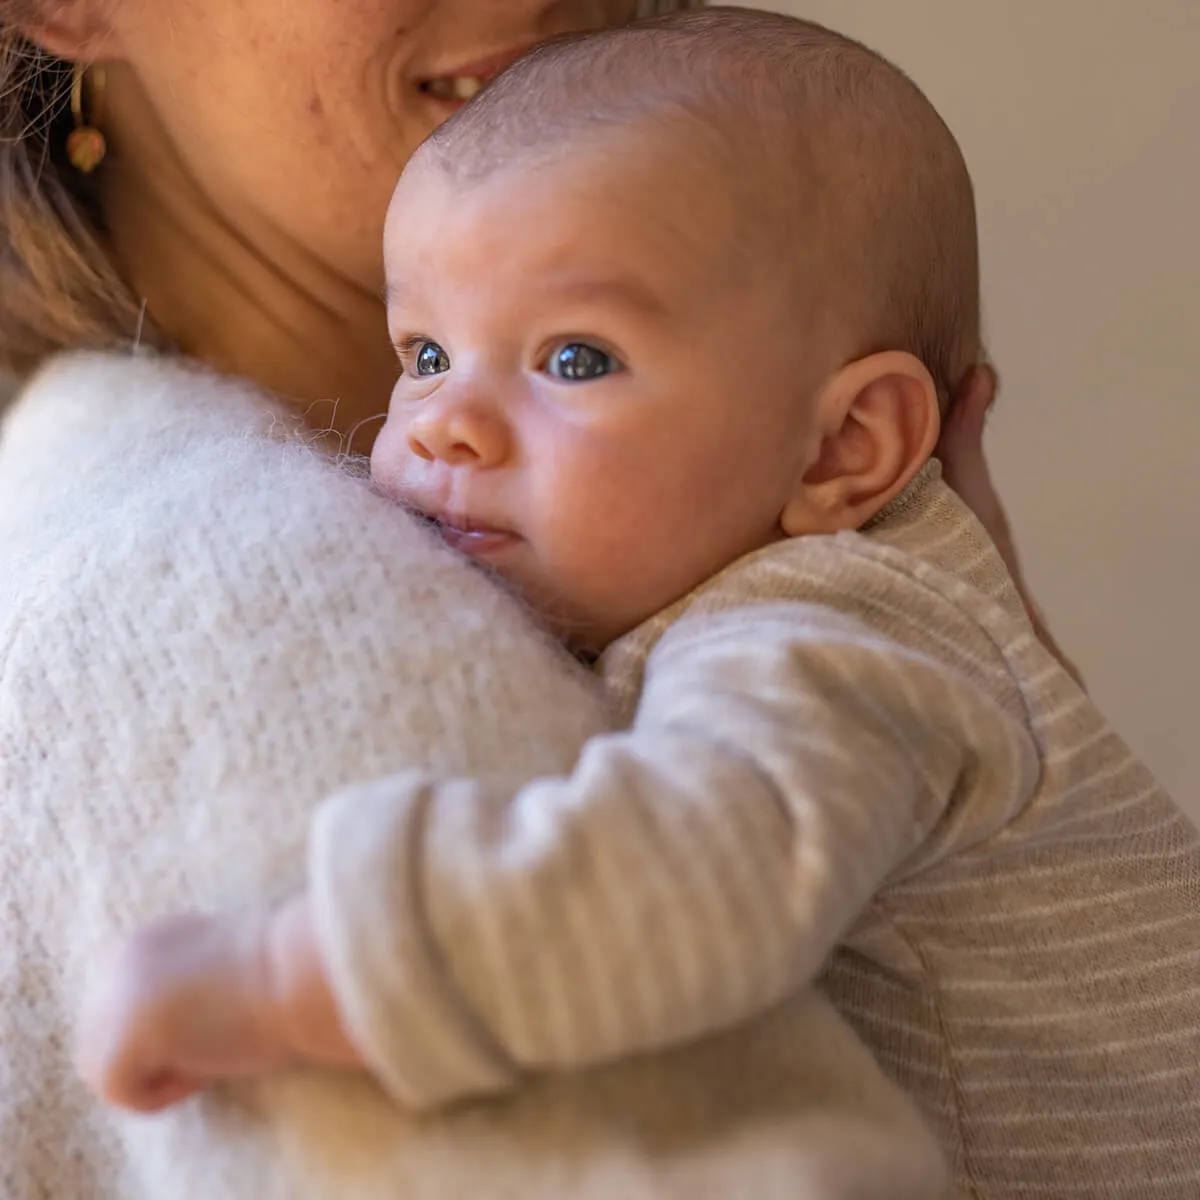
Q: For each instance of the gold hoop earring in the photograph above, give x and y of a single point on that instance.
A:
(86, 146)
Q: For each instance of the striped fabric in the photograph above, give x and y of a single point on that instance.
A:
(1030, 968)
(845, 756)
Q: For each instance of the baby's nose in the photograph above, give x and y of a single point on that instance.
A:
(459, 435)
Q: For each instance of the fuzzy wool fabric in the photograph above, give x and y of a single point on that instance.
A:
(206, 628)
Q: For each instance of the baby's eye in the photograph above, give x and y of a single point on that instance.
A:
(577, 362)
(431, 359)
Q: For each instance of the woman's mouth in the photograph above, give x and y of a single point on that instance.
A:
(456, 86)
(454, 89)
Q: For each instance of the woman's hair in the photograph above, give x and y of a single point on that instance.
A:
(58, 287)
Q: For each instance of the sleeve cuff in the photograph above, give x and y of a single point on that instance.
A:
(393, 991)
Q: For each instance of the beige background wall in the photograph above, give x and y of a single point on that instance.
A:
(1080, 120)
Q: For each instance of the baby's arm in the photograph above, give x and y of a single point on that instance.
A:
(690, 873)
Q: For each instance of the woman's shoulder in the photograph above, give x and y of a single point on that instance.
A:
(75, 391)
(91, 416)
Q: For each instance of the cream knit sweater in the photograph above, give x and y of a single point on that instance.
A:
(205, 629)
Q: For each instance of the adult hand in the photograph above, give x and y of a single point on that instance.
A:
(965, 468)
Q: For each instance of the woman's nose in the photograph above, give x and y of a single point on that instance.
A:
(459, 434)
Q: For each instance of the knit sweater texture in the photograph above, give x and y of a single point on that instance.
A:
(206, 629)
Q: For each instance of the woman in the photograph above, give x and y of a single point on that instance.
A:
(251, 151)
(236, 216)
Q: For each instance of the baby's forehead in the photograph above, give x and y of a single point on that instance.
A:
(670, 193)
(778, 150)
(720, 189)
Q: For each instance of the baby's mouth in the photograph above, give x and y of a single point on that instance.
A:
(470, 538)
(479, 542)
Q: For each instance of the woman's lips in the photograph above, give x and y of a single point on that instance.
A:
(453, 87)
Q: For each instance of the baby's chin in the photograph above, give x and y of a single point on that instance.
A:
(584, 635)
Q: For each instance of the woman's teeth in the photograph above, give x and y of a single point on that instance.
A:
(458, 87)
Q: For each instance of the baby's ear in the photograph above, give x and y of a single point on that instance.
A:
(877, 422)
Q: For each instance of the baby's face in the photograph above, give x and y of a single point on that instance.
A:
(599, 397)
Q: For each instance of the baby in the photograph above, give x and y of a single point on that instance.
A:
(678, 309)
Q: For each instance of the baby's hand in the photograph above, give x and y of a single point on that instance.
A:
(184, 1003)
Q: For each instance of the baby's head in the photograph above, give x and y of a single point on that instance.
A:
(667, 294)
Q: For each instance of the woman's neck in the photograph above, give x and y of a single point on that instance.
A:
(245, 299)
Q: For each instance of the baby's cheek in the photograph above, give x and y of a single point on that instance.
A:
(390, 456)
(620, 566)
(592, 516)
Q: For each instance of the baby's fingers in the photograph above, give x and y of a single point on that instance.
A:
(163, 1090)
(110, 1054)
(123, 1046)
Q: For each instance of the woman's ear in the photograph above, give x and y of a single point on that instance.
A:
(77, 30)
(878, 421)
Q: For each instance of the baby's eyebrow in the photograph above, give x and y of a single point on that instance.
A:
(623, 290)
(616, 290)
